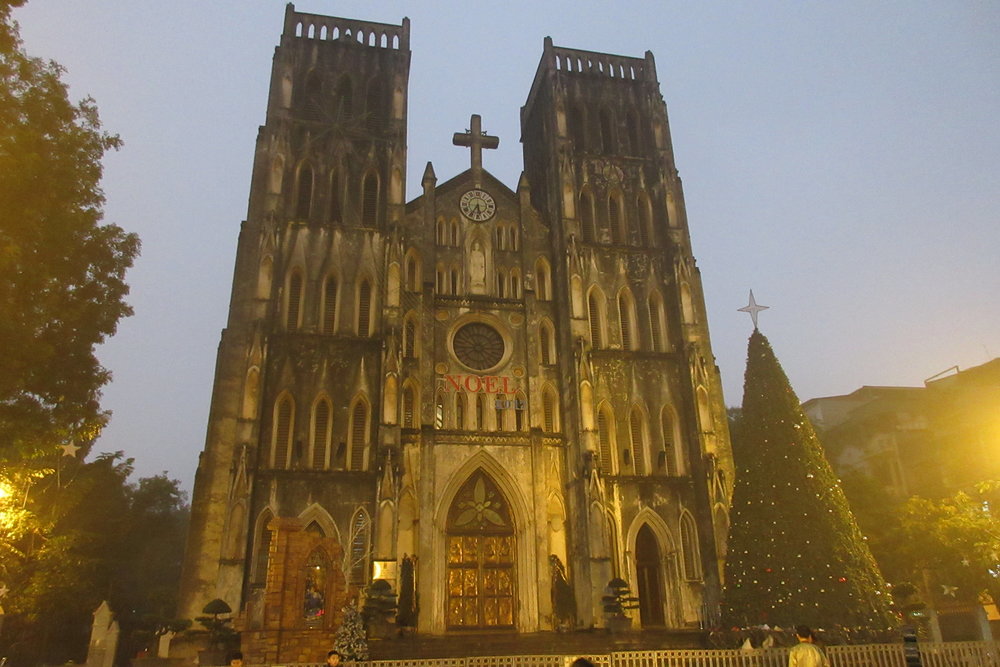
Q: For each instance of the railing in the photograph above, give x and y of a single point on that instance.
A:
(947, 654)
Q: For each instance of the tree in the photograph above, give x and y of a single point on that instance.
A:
(351, 641)
(795, 553)
(62, 286)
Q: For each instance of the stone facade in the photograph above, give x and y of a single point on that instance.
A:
(483, 377)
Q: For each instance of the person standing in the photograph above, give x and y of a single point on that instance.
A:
(805, 653)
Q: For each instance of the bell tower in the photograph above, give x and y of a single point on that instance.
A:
(643, 395)
(293, 427)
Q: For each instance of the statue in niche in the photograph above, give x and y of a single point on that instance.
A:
(477, 268)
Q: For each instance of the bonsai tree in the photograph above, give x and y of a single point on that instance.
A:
(617, 602)
(220, 634)
(379, 608)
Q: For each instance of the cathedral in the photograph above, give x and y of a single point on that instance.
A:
(495, 398)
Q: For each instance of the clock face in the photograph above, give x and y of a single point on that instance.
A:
(479, 346)
(477, 205)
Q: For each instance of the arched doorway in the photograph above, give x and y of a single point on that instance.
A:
(648, 566)
(481, 574)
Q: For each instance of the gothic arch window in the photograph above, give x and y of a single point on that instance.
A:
(498, 414)
(364, 312)
(454, 233)
(501, 234)
(480, 412)
(607, 132)
(283, 424)
(550, 410)
(587, 217)
(626, 319)
(304, 192)
(360, 545)
(293, 301)
(595, 314)
(455, 279)
(515, 284)
(667, 462)
(440, 280)
(336, 201)
(501, 284)
(649, 573)
(410, 417)
(543, 280)
(657, 324)
(328, 324)
(316, 572)
(704, 411)
(439, 410)
(606, 439)
(645, 220)
(689, 547)
(319, 441)
(262, 548)
(359, 432)
(410, 336)
(637, 435)
(412, 274)
(515, 241)
(369, 200)
(459, 410)
(546, 343)
(616, 218)
(441, 232)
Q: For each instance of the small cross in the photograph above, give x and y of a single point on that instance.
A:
(476, 140)
(753, 309)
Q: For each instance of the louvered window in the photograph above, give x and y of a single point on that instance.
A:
(329, 305)
(549, 411)
(638, 444)
(587, 217)
(364, 308)
(604, 441)
(304, 200)
(408, 407)
(594, 312)
(321, 435)
(294, 301)
(669, 448)
(625, 316)
(359, 435)
(369, 201)
(409, 338)
(655, 324)
(282, 432)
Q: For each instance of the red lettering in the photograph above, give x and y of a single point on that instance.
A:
(491, 384)
(454, 383)
(506, 385)
(468, 383)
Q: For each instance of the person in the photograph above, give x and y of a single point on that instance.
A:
(805, 653)
(333, 658)
(235, 659)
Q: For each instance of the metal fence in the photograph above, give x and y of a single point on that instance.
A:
(948, 654)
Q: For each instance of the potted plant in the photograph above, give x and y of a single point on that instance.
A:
(379, 608)
(617, 602)
(221, 637)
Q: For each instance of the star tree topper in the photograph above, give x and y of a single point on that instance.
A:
(70, 449)
(753, 308)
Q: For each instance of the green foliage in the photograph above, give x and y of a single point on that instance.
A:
(795, 554)
(62, 286)
(351, 641)
(619, 599)
(82, 534)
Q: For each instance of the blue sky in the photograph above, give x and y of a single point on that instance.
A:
(841, 159)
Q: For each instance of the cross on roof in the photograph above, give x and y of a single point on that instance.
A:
(476, 140)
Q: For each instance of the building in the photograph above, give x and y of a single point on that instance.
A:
(931, 441)
(488, 392)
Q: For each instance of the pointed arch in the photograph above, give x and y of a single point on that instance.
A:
(650, 526)
(251, 393)
(359, 554)
(543, 280)
(315, 513)
(411, 405)
(587, 227)
(481, 412)
(690, 553)
(360, 434)
(668, 460)
(626, 320)
(616, 218)
(264, 278)
(546, 342)
(704, 411)
(657, 322)
(293, 300)
(587, 405)
(389, 399)
(370, 199)
(595, 315)
(687, 306)
(411, 273)
(303, 191)
(644, 221)
(411, 336)
(363, 313)
(439, 414)
(282, 428)
(320, 433)
(261, 547)
(637, 435)
(515, 283)
(460, 410)
(328, 324)
(550, 410)
(606, 448)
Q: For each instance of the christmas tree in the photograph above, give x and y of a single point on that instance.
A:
(796, 555)
(351, 641)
